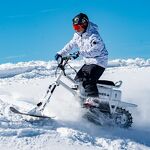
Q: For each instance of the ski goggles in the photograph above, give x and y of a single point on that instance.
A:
(78, 26)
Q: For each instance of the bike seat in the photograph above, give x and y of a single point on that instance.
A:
(106, 82)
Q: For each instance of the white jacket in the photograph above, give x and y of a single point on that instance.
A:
(91, 46)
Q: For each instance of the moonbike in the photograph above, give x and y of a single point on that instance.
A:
(109, 106)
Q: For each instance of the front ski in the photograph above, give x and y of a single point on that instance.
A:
(14, 110)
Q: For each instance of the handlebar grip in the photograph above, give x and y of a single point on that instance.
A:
(75, 55)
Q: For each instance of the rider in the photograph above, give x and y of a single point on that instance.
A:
(93, 50)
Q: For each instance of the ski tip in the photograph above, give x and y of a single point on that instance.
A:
(13, 109)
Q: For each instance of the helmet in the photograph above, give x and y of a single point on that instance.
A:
(80, 20)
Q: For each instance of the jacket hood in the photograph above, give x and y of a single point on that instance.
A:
(92, 26)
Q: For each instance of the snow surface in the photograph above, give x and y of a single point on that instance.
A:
(24, 84)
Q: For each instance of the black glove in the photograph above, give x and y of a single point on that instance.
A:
(76, 55)
(57, 56)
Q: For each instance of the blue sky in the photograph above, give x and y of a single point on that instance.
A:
(37, 29)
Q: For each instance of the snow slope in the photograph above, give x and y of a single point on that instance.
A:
(24, 84)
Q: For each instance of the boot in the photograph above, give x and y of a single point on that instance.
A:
(91, 102)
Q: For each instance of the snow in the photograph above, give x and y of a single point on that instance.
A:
(24, 84)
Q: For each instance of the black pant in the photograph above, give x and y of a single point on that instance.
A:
(89, 75)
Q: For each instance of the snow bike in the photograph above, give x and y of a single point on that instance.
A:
(109, 106)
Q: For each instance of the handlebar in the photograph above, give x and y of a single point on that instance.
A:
(62, 61)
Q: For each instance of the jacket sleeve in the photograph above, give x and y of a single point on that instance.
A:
(68, 47)
(96, 47)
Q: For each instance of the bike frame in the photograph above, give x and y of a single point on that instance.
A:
(41, 106)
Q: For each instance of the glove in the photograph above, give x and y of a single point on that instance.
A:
(57, 56)
(76, 55)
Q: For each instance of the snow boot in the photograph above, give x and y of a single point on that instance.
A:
(91, 102)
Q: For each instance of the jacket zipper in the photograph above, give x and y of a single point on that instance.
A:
(81, 42)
